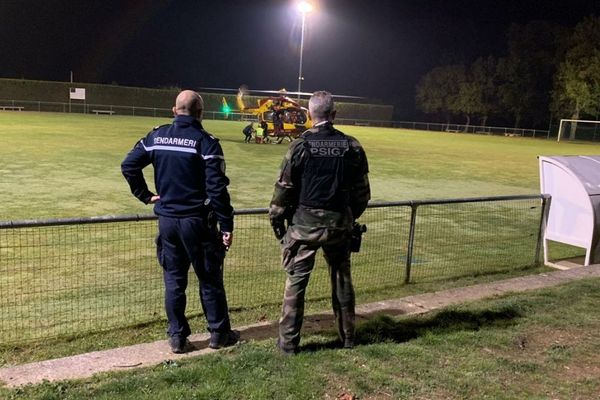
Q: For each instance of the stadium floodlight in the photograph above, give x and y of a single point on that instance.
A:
(579, 129)
(304, 7)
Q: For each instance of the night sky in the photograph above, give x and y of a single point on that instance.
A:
(373, 48)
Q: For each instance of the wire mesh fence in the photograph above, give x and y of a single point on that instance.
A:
(61, 278)
(474, 129)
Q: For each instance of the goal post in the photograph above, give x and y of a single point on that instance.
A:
(578, 128)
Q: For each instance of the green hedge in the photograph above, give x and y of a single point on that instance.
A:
(47, 91)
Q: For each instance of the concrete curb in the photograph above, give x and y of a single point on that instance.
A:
(150, 354)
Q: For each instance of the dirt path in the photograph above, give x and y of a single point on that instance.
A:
(149, 354)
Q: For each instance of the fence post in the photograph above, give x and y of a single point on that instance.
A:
(546, 200)
(411, 241)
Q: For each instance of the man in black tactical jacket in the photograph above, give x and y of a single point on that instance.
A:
(323, 187)
(192, 196)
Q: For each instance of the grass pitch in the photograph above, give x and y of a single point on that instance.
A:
(534, 345)
(61, 165)
(68, 165)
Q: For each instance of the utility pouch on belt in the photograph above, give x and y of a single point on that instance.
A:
(356, 236)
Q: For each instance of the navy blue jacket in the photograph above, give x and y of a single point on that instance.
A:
(189, 171)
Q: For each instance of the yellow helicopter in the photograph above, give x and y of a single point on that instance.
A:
(281, 116)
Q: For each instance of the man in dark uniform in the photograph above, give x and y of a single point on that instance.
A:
(189, 176)
(322, 189)
(278, 112)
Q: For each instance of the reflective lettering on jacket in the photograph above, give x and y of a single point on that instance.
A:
(327, 148)
(324, 169)
(189, 171)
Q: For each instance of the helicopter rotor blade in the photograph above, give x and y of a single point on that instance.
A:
(218, 89)
(307, 94)
(274, 92)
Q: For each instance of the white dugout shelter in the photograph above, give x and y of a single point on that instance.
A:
(574, 215)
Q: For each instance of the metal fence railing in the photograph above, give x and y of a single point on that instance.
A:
(474, 129)
(109, 109)
(72, 276)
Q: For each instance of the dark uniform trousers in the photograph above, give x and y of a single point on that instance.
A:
(185, 241)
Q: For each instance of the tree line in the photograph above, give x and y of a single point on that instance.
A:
(549, 72)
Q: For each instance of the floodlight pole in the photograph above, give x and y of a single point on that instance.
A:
(300, 78)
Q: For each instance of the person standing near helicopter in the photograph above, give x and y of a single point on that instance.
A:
(265, 131)
(278, 112)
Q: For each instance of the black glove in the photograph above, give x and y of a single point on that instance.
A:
(278, 228)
